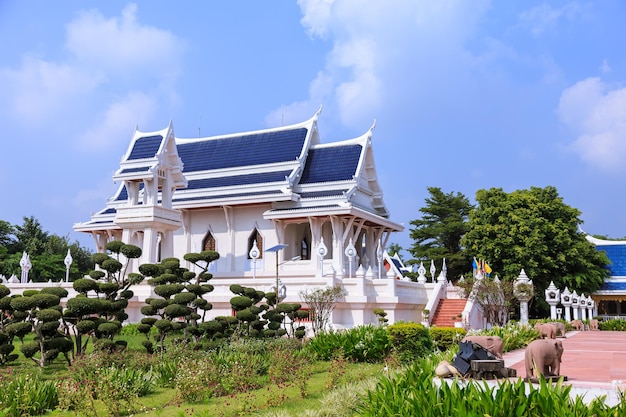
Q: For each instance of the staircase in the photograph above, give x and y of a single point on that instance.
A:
(447, 312)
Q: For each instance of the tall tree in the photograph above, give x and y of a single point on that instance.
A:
(534, 230)
(438, 233)
(31, 237)
(7, 234)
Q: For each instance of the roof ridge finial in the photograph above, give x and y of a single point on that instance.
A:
(373, 126)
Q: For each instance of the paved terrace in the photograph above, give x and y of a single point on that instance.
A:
(592, 360)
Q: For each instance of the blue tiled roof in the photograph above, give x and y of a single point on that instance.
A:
(146, 147)
(613, 286)
(245, 179)
(617, 256)
(397, 264)
(123, 195)
(305, 208)
(252, 149)
(138, 169)
(214, 197)
(108, 211)
(325, 193)
(336, 163)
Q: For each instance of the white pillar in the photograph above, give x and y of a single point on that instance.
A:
(575, 305)
(552, 298)
(566, 300)
(523, 295)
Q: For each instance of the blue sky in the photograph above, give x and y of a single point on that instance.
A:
(466, 95)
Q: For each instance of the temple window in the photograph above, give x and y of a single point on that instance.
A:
(208, 244)
(304, 250)
(255, 236)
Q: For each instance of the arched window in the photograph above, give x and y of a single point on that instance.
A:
(255, 236)
(304, 250)
(208, 244)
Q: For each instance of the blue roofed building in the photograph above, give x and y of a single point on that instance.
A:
(244, 193)
(610, 299)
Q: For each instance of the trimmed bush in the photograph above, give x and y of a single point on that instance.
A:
(445, 338)
(410, 340)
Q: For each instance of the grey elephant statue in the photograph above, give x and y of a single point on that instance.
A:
(543, 356)
(492, 343)
(546, 330)
(560, 327)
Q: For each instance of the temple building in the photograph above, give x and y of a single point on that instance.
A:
(610, 299)
(271, 202)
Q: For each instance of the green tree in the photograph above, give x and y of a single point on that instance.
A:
(181, 292)
(321, 303)
(534, 230)
(7, 234)
(394, 249)
(46, 251)
(438, 233)
(30, 236)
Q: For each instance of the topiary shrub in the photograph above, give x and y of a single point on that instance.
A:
(410, 341)
(445, 338)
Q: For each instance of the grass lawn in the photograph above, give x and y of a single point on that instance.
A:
(163, 403)
(286, 399)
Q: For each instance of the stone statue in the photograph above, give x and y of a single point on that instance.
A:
(492, 343)
(546, 330)
(543, 356)
(560, 327)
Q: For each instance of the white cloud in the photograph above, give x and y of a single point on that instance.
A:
(108, 57)
(39, 91)
(115, 124)
(545, 18)
(596, 113)
(378, 50)
(123, 46)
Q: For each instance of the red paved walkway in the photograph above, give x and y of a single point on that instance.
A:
(592, 360)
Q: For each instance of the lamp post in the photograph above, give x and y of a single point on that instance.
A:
(379, 255)
(276, 249)
(68, 261)
(254, 254)
(322, 251)
(350, 253)
(432, 270)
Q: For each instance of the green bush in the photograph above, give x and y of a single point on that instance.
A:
(514, 336)
(414, 393)
(613, 325)
(361, 344)
(410, 341)
(445, 338)
(27, 395)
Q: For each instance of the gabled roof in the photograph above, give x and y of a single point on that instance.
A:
(287, 166)
(149, 152)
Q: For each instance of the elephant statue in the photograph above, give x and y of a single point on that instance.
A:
(578, 325)
(492, 343)
(546, 330)
(560, 327)
(593, 324)
(543, 356)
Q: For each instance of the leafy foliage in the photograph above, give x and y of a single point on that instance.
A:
(534, 230)
(413, 393)
(321, 303)
(46, 251)
(438, 233)
(410, 341)
(366, 343)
